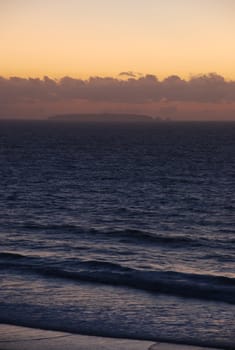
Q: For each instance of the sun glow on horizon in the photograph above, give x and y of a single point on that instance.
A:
(125, 40)
(82, 39)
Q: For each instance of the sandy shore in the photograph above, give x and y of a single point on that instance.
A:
(22, 338)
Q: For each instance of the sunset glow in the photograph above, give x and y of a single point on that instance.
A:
(83, 39)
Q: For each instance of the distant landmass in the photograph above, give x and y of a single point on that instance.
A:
(103, 117)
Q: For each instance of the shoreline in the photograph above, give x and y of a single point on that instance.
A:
(25, 338)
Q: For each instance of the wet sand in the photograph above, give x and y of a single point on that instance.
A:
(22, 338)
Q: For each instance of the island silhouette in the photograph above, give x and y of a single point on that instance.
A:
(103, 117)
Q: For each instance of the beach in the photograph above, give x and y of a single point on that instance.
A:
(23, 338)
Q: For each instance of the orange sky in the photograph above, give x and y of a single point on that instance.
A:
(83, 39)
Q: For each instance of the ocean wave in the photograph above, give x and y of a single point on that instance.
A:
(44, 226)
(209, 287)
(10, 256)
(128, 235)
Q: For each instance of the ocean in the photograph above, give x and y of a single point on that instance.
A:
(122, 230)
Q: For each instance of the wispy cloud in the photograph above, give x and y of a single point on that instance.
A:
(129, 74)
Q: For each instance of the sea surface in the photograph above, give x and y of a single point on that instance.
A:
(122, 230)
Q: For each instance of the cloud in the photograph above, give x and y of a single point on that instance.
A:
(210, 95)
(129, 74)
(206, 88)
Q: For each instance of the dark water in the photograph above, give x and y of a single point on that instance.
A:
(121, 230)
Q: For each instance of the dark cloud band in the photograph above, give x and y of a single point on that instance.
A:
(206, 88)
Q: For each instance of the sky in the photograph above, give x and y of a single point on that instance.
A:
(120, 40)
